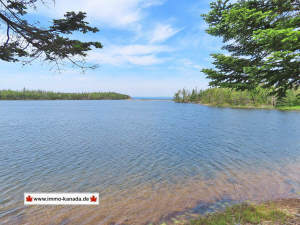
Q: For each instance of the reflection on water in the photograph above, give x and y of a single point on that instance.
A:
(150, 161)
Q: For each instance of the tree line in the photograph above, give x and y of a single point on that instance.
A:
(231, 97)
(49, 95)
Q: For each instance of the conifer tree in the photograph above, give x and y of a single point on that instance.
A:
(263, 41)
(26, 41)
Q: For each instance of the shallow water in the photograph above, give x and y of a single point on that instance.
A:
(149, 160)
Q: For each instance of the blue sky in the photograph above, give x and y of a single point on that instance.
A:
(151, 48)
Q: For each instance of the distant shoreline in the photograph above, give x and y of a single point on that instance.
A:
(51, 96)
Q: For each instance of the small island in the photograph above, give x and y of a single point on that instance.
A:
(49, 95)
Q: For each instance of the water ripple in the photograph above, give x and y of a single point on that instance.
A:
(147, 159)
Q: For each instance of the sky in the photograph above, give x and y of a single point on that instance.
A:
(152, 48)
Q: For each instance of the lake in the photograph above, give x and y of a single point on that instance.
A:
(149, 160)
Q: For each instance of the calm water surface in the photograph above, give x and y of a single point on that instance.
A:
(149, 160)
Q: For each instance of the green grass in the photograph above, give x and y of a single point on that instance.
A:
(285, 108)
(297, 107)
(241, 106)
(243, 214)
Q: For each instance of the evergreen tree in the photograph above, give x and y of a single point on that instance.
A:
(27, 41)
(177, 96)
(184, 95)
(263, 39)
(193, 96)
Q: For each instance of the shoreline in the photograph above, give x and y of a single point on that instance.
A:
(2, 100)
(276, 212)
(31, 95)
(266, 107)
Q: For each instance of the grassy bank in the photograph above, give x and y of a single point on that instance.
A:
(225, 97)
(280, 212)
(283, 108)
(244, 214)
(49, 95)
(289, 107)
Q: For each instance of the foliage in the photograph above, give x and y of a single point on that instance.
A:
(263, 41)
(48, 95)
(27, 41)
(292, 99)
(243, 214)
(230, 97)
(297, 107)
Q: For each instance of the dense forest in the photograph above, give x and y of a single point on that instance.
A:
(49, 95)
(258, 97)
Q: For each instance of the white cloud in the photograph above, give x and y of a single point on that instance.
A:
(142, 55)
(145, 60)
(142, 49)
(116, 13)
(188, 63)
(162, 32)
(149, 3)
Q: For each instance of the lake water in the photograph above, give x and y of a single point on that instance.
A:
(149, 160)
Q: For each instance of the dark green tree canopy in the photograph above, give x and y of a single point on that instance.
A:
(26, 41)
(263, 41)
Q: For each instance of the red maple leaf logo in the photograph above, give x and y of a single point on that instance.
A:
(28, 198)
(93, 199)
